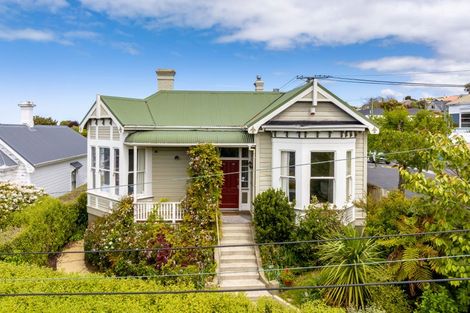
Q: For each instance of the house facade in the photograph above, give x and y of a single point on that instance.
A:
(306, 141)
(50, 157)
(459, 111)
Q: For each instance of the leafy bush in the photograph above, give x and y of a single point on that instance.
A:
(437, 302)
(392, 299)
(274, 216)
(32, 282)
(47, 225)
(16, 197)
(200, 211)
(318, 306)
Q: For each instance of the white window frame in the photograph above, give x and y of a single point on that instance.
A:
(140, 171)
(467, 118)
(283, 177)
(116, 169)
(332, 178)
(349, 176)
(93, 167)
(103, 171)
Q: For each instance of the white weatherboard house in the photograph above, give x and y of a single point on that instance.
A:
(459, 110)
(51, 157)
(139, 146)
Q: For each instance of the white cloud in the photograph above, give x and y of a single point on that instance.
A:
(52, 5)
(126, 47)
(387, 92)
(26, 34)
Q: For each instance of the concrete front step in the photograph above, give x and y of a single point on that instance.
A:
(241, 284)
(238, 267)
(226, 259)
(237, 251)
(237, 236)
(234, 242)
(237, 276)
(242, 229)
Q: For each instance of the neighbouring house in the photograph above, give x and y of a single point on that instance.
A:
(51, 157)
(266, 139)
(377, 112)
(459, 110)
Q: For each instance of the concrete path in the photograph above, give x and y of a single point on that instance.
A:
(73, 262)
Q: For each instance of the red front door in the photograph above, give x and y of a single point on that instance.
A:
(230, 187)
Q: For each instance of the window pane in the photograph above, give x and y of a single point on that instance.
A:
(288, 186)
(322, 189)
(244, 152)
(105, 178)
(244, 197)
(244, 174)
(116, 183)
(130, 181)
(324, 169)
(140, 183)
(287, 163)
(93, 157)
(140, 160)
(348, 188)
(116, 160)
(131, 160)
(104, 158)
(93, 179)
(348, 162)
(229, 152)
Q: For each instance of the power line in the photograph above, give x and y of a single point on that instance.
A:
(453, 231)
(195, 291)
(256, 170)
(298, 268)
(402, 73)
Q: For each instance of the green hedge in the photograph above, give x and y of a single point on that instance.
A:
(47, 225)
(217, 302)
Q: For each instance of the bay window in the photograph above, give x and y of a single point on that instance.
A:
(322, 176)
(288, 174)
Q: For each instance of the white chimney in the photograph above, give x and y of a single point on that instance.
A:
(165, 79)
(26, 110)
(259, 84)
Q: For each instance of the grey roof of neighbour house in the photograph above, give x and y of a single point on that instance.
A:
(5, 160)
(43, 144)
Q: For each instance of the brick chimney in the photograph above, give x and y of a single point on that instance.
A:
(259, 84)
(26, 111)
(165, 79)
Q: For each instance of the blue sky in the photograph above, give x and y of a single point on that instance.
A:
(61, 53)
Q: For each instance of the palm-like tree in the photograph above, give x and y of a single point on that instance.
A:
(341, 253)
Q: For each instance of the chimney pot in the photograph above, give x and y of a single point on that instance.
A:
(26, 113)
(165, 79)
(259, 84)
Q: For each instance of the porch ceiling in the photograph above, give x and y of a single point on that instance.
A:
(189, 137)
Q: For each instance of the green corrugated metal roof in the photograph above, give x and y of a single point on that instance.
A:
(189, 137)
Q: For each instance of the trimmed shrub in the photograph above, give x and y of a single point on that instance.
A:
(220, 302)
(47, 225)
(274, 216)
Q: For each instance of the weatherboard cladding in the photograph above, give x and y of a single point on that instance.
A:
(5, 160)
(189, 137)
(43, 144)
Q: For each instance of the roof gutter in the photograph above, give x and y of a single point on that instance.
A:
(138, 127)
(59, 160)
(188, 144)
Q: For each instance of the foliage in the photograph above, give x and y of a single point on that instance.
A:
(299, 297)
(69, 123)
(437, 302)
(221, 302)
(399, 132)
(46, 225)
(391, 299)
(287, 277)
(318, 306)
(274, 216)
(117, 230)
(356, 252)
(319, 221)
(74, 194)
(41, 120)
(369, 309)
(15, 197)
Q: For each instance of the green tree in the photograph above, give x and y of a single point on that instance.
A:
(342, 252)
(467, 88)
(400, 132)
(41, 120)
(69, 123)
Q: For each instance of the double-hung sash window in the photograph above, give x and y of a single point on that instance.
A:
(464, 119)
(288, 174)
(322, 176)
(349, 180)
(93, 167)
(116, 171)
(105, 170)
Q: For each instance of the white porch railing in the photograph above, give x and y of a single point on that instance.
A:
(167, 211)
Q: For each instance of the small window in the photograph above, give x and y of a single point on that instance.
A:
(288, 174)
(245, 174)
(322, 176)
(244, 152)
(465, 120)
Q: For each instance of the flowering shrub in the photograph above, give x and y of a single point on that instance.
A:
(15, 197)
